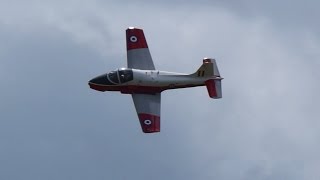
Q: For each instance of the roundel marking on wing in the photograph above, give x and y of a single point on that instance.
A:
(133, 39)
(147, 122)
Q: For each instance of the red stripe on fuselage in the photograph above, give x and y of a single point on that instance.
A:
(131, 89)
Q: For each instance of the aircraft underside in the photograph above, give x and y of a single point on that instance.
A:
(137, 89)
(145, 83)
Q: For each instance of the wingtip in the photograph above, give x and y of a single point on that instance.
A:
(149, 123)
(135, 39)
(133, 28)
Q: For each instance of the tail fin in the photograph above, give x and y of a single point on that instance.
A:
(210, 69)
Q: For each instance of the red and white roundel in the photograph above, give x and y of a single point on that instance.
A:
(133, 39)
(147, 122)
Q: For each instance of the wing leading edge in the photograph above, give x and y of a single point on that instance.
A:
(138, 54)
(148, 110)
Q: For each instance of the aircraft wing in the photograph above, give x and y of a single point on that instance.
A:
(138, 54)
(148, 110)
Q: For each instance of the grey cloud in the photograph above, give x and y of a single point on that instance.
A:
(54, 127)
(285, 14)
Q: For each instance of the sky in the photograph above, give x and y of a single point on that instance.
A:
(266, 126)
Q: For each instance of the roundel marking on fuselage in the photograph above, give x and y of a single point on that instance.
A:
(147, 122)
(133, 39)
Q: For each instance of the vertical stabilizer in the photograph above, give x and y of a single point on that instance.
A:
(208, 68)
(214, 85)
(210, 71)
(215, 68)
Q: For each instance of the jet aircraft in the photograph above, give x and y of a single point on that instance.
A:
(145, 83)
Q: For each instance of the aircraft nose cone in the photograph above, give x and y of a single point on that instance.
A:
(98, 83)
(99, 80)
(93, 81)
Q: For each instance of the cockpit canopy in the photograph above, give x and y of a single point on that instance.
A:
(121, 75)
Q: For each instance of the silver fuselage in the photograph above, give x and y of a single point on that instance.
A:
(163, 78)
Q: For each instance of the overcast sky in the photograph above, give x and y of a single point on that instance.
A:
(53, 126)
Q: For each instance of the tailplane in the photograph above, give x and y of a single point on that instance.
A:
(214, 88)
(210, 71)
